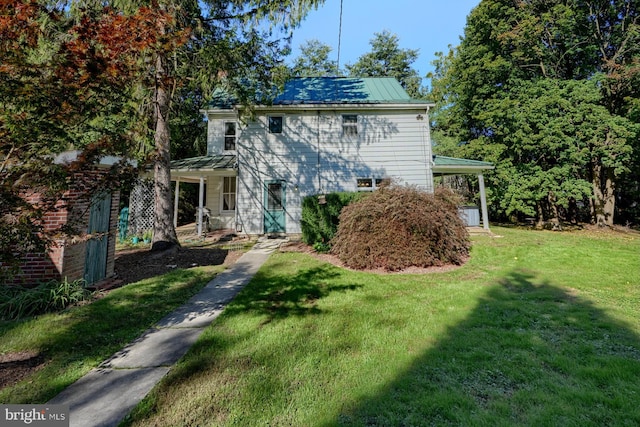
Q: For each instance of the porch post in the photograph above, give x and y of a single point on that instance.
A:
(175, 203)
(200, 206)
(483, 203)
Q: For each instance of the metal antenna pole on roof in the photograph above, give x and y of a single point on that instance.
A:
(339, 38)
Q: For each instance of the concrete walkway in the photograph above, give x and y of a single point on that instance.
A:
(108, 393)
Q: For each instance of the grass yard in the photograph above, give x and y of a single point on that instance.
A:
(539, 328)
(72, 342)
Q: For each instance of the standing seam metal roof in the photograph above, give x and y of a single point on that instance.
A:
(340, 90)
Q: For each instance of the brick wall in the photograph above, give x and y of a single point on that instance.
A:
(66, 257)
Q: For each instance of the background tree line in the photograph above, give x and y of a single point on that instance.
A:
(548, 92)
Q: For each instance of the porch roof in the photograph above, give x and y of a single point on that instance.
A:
(452, 165)
(204, 163)
(190, 169)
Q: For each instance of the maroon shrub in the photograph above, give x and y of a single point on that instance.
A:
(398, 227)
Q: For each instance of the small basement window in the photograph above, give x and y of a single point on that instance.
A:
(350, 124)
(275, 124)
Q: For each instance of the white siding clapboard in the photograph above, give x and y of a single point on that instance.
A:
(312, 156)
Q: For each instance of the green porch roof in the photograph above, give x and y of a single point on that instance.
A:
(340, 90)
(204, 163)
(453, 165)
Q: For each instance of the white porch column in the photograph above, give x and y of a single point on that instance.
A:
(483, 203)
(175, 203)
(200, 206)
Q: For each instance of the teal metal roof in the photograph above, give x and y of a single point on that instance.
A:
(339, 90)
(205, 163)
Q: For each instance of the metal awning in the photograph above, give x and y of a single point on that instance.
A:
(453, 166)
(191, 169)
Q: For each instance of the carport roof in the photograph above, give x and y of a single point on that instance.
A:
(453, 165)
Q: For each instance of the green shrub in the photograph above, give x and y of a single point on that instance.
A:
(319, 221)
(398, 227)
(17, 302)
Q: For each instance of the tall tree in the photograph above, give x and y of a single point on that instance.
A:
(64, 85)
(387, 59)
(225, 47)
(546, 45)
(314, 61)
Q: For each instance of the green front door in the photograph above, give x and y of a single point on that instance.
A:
(95, 267)
(274, 207)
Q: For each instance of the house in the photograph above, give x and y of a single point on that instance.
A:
(91, 257)
(320, 135)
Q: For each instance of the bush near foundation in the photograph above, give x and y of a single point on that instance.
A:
(319, 221)
(398, 227)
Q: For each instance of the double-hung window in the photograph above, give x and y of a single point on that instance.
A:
(229, 193)
(230, 136)
(350, 124)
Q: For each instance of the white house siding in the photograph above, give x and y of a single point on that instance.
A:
(312, 156)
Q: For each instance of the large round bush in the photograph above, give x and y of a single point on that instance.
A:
(398, 227)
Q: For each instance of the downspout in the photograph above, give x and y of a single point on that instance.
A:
(428, 155)
(318, 149)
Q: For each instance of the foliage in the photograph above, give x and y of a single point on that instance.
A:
(314, 61)
(78, 339)
(319, 221)
(64, 84)
(210, 44)
(17, 302)
(387, 59)
(578, 59)
(399, 227)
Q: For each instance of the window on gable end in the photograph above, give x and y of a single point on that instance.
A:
(230, 136)
(275, 124)
(350, 124)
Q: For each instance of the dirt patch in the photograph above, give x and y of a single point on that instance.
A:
(132, 266)
(332, 259)
(15, 366)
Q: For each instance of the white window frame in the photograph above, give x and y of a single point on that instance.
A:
(234, 136)
(349, 127)
(226, 191)
(281, 124)
(376, 183)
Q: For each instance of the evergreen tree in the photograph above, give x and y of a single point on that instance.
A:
(520, 60)
(387, 59)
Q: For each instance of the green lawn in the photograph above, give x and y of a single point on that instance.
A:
(539, 328)
(80, 338)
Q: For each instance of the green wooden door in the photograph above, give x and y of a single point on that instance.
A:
(95, 267)
(274, 207)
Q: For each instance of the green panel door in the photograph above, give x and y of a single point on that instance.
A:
(274, 207)
(95, 267)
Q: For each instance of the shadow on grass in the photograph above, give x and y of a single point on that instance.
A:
(282, 296)
(529, 354)
(91, 333)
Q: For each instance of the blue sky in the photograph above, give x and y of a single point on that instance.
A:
(427, 25)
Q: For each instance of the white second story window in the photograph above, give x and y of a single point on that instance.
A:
(230, 136)
(275, 124)
(350, 124)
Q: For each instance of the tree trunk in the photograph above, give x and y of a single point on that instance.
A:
(603, 201)
(164, 233)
